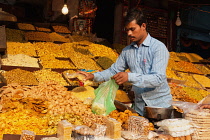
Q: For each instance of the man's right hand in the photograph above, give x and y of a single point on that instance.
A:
(88, 76)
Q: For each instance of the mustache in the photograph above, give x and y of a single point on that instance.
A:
(131, 36)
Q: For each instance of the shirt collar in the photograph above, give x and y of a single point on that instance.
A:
(146, 42)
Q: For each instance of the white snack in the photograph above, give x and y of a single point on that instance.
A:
(176, 127)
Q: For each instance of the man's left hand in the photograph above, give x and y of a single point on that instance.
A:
(120, 77)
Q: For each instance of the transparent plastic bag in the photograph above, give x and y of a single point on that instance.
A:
(27, 135)
(99, 129)
(105, 94)
(185, 106)
(64, 130)
(83, 132)
(188, 106)
(176, 127)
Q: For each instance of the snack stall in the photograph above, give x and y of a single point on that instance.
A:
(43, 98)
(42, 89)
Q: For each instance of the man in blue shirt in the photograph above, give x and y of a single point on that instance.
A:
(147, 59)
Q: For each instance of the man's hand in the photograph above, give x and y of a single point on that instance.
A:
(88, 76)
(204, 106)
(120, 77)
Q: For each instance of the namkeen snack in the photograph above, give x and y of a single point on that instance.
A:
(138, 125)
(27, 135)
(113, 128)
(64, 130)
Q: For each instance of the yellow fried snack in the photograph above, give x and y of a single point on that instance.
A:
(122, 96)
(82, 93)
(123, 117)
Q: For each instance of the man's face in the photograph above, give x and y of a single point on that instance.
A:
(135, 32)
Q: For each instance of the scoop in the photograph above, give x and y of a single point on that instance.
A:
(80, 77)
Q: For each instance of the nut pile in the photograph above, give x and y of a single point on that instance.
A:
(48, 49)
(78, 38)
(43, 29)
(171, 64)
(186, 67)
(52, 62)
(203, 80)
(37, 36)
(193, 93)
(171, 74)
(104, 62)
(56, 37)
(81, 61)
(187, 94)
(14, 35)
(20, 76)
(101, 50)
(202, 68)
(182, 57)
(49, 75)
(25, 26)
(174, 57)
(83, 93)
(21, 48)
(84, 62)
(190, 81)
(61, 104)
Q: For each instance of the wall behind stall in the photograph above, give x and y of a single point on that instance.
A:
(195, 30)
(104, 20)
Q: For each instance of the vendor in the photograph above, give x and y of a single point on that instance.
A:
(147, 59)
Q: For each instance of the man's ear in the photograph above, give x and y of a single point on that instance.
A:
(143, 26)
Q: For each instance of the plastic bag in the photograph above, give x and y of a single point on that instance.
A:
(105, 94)
(176, 127)
(83, 132)
(188, 106)
(185, 106)
(27, 135)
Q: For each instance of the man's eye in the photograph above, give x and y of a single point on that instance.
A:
(132, 29)
(127, 30)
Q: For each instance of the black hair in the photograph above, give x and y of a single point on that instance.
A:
(135, 14)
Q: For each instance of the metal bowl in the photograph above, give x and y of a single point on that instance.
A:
(158, 113)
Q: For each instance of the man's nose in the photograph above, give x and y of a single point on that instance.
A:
(129, 33)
